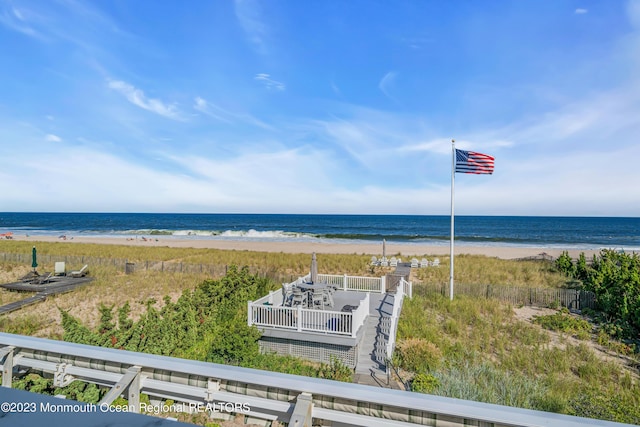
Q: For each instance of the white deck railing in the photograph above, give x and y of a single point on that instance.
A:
(308, 320)
(404, 288)
(354, 283)
(268, 311)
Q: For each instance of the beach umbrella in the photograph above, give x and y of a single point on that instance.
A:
(314, 268)
(34, 262)
(384, 248)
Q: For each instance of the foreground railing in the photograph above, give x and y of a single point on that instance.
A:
(249, 393)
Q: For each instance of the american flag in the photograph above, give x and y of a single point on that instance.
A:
(472, 162)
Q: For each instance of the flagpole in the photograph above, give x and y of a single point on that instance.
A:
(453, 172)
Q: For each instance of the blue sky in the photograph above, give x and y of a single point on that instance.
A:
(319, 106)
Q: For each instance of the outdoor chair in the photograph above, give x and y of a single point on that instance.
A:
(286, 295)
(60, 269)
(80, 273)
(384, 262)
(424, 262)
(41, 280)
(298, 298)
(393, 262)
(374, 260)
(414, 263)
(435, 262)
(327, 298)
(317, 299)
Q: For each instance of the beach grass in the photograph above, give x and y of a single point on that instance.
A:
(111, 286)
(472, 269)
(476, 349)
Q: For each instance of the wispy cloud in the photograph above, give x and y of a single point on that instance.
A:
(268, 82)
(16, 20)
(52, 138)
(386, 83)
(137, 97)
(249, 16)
(581, 11)
(214, 111)
(210, 110)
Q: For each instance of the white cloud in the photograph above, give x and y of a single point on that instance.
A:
(52, 138)
(268, 82)
(230, 117)
(250, 18)
(581, 11)
(210, 110)
(137, 97)
(386, 84)
(15, 20)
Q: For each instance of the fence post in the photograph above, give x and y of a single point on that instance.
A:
(383, 284)
(299, 325)
(249, 313)
(344, 282)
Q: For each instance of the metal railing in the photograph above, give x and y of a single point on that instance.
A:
(256, 394)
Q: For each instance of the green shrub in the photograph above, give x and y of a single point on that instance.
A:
(418, 355)
(564, 322)
(424, 383)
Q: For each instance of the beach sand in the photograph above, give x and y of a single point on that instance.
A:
(392, 249)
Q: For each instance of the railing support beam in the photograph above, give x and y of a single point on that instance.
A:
(302, 412)
(130, 380)
(7, 366)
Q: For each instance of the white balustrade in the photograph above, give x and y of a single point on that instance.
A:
(269, 312)
(404, 288)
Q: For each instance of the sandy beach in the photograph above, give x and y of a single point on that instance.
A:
(504, 252)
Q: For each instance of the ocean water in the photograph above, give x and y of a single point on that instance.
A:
(566, 232)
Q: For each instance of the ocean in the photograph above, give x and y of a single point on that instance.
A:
(552, 232)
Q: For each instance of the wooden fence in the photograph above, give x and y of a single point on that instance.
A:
(573, 299)
(212, 270)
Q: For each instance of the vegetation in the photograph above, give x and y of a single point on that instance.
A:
(614, 277)
(208, 323)
(467, 348)
(475, 349)
(567, 323)
(475, 269)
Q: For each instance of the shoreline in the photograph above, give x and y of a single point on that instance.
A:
(392, 248)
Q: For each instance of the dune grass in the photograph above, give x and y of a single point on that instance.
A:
(476, 349)
(477, 269)
(112, 287)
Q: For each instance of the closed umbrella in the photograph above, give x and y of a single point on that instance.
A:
(314, 268)
(34, 262)
(384, 249)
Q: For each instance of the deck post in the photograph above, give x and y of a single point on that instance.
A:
(299, 320)
(344, 282)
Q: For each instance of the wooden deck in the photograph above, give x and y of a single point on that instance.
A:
(56, 285)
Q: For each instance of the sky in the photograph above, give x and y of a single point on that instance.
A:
(286, 106)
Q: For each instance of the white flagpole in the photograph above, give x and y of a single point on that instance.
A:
(453, 173)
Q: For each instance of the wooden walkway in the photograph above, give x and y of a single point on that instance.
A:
(57, 285)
